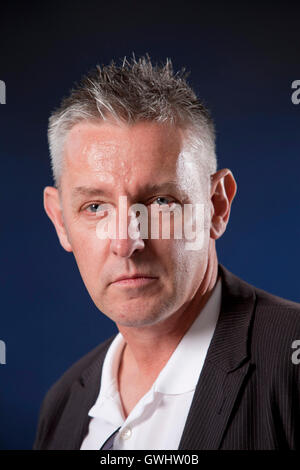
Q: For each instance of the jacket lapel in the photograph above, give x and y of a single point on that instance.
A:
(225, 368)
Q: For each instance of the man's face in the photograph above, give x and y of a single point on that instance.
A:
(145, 163)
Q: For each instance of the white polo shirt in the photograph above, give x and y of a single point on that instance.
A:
(157, 420)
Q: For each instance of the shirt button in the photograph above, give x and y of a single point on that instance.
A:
(126, 433)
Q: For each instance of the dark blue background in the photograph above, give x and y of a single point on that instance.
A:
(242, 57)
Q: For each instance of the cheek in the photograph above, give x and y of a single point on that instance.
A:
(89, 251)
(186, 223)
(188, 264)
(172, 256)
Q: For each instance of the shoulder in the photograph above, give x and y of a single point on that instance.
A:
(58, 395)
(273, 323)
(268, 307)
(75, 371)
(275, 331)
(274, 311)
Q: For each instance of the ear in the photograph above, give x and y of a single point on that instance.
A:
(53, 209)
(223, 190)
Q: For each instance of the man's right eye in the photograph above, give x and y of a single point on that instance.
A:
(96, 208)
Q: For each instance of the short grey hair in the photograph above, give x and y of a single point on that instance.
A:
(134, 91)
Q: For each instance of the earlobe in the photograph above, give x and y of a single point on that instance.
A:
(53, 209)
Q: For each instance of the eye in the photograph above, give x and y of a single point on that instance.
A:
(95, 208)
(161, 200)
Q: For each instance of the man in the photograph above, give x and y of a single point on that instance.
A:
(202, 360)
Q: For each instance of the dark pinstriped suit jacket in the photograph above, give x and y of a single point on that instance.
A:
(248, 392)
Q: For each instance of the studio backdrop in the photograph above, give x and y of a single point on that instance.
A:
(243, 60)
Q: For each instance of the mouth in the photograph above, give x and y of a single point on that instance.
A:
(134, 281)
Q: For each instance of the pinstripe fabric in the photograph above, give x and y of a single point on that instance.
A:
(248, 392)
(109, 443)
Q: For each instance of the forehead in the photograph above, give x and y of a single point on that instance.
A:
(111, 147)
(121, 158)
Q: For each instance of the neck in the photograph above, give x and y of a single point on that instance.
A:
(149, 348)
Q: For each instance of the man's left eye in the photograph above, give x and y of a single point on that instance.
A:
(93, 208)
(162, 200)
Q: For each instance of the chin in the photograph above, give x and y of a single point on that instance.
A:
(136, 322)
(137, 312)
(137, 317)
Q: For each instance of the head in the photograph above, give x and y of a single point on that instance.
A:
(136, 133)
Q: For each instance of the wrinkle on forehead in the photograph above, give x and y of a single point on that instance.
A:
(112, 155)
(105, 157)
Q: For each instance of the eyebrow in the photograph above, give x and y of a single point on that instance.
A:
(149, 188)
(90, 192)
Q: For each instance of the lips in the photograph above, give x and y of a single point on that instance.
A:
(133, 280)
(133, 276)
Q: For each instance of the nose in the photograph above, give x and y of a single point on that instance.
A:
(126, 247)
(124, 244)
